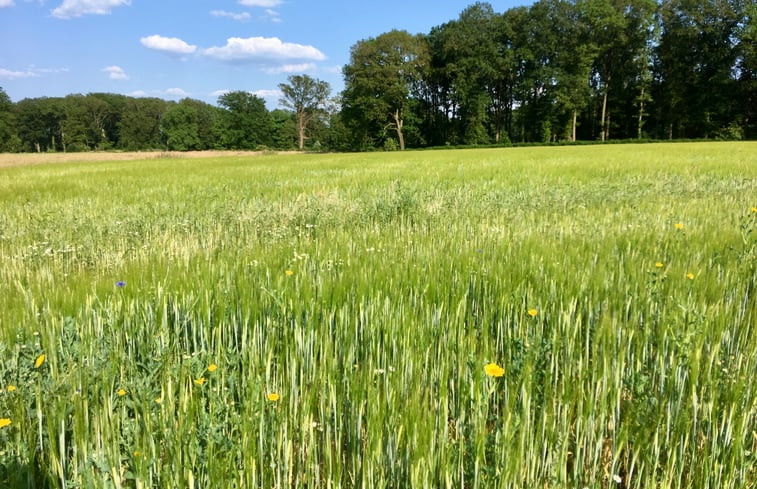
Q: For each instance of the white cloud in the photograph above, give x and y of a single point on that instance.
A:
(12, 75)
(262, 48)
(273, 16)
(267, 93)
(218, 93)
(242, 17)
(177, 92)
(333, 70)
(77, 8)
(49, 70)
(260, 3)
(172, 45)
(116, 73)
(300, 68)
(6, 3)
(138, 93)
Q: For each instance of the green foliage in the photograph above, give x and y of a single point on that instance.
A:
(9, 140)
(379, 80)
(246, 123)
(308, 99)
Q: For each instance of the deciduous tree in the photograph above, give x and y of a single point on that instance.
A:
(307, 98)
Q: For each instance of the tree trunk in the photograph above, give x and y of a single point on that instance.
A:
(641, 115)
(301, 131)
(575, 119)
(604, 112)
(398, 122)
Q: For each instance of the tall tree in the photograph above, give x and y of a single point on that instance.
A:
(139, 125)
(747, 71)
(381, 75)
(696, 57)
(307, 97)
(9, 140)
(180, 127)
(472, 61)
(245, 124)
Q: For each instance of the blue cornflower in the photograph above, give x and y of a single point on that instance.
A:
(120, 284)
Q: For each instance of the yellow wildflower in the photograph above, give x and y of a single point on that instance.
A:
(289, 273)
(494, 370)
(121, 392)
(212, 367)
(690, 276)
(200, 381)
(11, 388)
(679, 225)
(273, 397)
(533, 312)
(40, 360)
(659, 264)
(4, 422)
(754, 209)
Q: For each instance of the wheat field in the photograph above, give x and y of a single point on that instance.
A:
(485, 318)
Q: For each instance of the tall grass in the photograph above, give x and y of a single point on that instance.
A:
(365, 294)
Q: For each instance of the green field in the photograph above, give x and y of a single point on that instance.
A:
(325, 321)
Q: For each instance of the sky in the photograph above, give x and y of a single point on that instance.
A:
(174, 49)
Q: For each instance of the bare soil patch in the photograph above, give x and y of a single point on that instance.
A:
(21, 159)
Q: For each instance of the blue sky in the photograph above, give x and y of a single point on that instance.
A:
(193, 48)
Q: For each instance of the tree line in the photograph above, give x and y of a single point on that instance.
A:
(105, 121)
(558, 70)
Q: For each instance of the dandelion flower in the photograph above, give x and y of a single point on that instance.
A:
(289, 273)
(200, 381)
(121, 392)
(659, 264)
(40, 360)
(690, 276)
(212, 367)
(494, 370)
(679, 225)
(533, 312)
(754, 209)
(11, 388)
(273, 397)
(4, 422)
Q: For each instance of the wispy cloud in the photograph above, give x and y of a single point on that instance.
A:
(77, 8)
(6, 3)
(272, 15)
(172, 45)
(297, 68)
(115, 73)
(261, 3)
(31, 72)
(267, 93)
(13, 75)
(254, 49)
(239, 16)
(177, 92)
